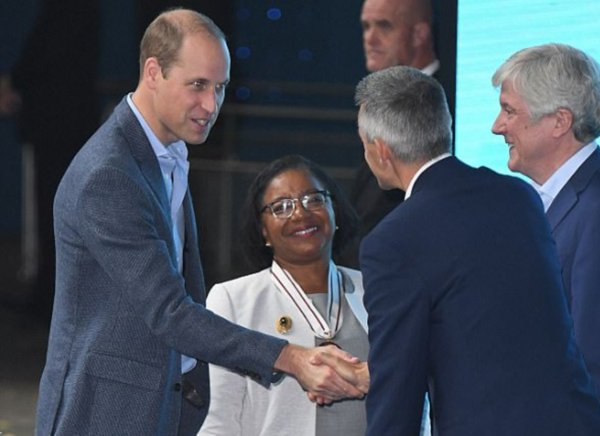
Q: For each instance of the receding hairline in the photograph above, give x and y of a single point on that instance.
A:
(166, 34)
(191, 21)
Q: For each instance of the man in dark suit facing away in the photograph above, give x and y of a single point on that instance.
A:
(462, 285)
(395, 32)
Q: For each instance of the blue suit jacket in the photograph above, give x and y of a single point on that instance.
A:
(122, 312)
(464, 296)
(574, 218)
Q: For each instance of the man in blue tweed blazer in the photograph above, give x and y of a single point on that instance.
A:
(130, 336)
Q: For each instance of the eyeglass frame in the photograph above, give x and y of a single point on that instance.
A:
(295, 200)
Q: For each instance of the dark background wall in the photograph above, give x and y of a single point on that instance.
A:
(294, 67)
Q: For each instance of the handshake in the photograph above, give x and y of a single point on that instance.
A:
(327, 373)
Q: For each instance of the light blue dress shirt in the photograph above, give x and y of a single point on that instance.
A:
(175, 185)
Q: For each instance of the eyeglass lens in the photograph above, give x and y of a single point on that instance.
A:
(285, 208)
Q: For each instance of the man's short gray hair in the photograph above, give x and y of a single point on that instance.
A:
(406, 109)
(553, 76)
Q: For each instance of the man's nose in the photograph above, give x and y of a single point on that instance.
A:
(369, 36)
(210, 100)
(498, 126)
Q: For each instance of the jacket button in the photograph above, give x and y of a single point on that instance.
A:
(177, 387)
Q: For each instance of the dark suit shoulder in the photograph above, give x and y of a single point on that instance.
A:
(588, 174)
(451, 194)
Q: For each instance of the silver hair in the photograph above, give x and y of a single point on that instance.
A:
(553, 76)
(408, 110)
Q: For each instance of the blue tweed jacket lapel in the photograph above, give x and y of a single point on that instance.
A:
(150, 168)
(143, 153)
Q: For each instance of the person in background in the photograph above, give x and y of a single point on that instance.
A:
(295, 217)
(398, 32)
(130, 336)
(462, 285)
(395, 32)
(549, 117)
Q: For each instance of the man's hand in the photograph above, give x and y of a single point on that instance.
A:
(316, 371)
(348, 367)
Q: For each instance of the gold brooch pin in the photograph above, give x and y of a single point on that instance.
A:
(283, 324)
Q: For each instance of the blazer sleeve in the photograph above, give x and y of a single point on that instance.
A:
(227, 389)
(398, 335)
(126, 232)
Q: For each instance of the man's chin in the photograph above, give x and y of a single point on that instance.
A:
(373, 65)
(196, 140)
(513, 165)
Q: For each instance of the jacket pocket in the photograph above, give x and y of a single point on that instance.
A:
(124, 370)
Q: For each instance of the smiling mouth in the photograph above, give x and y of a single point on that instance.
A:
(306, 231)
(201, 122)
(509, 144)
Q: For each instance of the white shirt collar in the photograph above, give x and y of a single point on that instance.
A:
(550, 189)
(431, 68)
(421, 170)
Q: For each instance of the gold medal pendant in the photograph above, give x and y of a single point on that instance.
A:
(283, 324)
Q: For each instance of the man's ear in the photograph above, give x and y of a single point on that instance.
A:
(421, 34)
(152, 72)
(384, 153)
(563, 123)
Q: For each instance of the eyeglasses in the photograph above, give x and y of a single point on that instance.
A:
(285, 207)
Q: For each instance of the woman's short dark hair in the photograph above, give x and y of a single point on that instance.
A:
(253, 242)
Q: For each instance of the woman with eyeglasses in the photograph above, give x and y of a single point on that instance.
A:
(296, 217)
